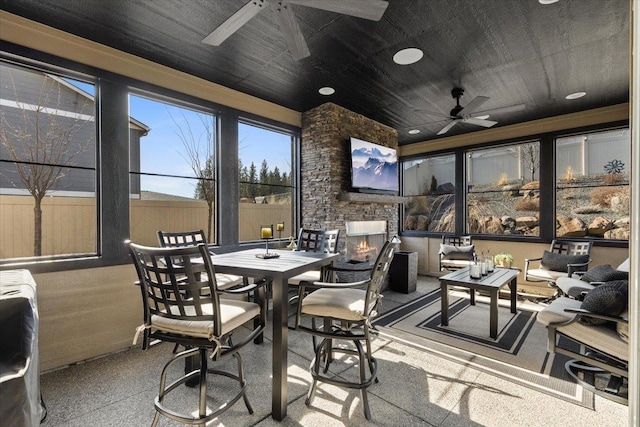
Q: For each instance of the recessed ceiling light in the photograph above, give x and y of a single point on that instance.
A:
(326, 90)
(576, 95)
(547, 1)
(414, 131)
(485, 117)
(408, 56)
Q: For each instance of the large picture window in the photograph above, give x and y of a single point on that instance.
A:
(173, 169)
(592, 185)
(47, 164)
(266, 181)
(503, 191)
(429, 190)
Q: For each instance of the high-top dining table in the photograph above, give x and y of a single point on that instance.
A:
(279, 270)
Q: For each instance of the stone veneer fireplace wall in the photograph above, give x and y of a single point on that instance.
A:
(325, 171)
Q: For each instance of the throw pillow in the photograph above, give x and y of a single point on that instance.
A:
(560, 262)
(451, 252)
(604, 273)
(609, 299)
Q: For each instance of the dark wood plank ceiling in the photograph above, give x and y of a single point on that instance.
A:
(513, 51)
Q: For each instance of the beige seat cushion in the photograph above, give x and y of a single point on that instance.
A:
(307, 276)
(572, 286)
(226, 281)
(600, 337)
(544, 275)
(347, 304)
(232, 314)
(455, 263)
(554, 312)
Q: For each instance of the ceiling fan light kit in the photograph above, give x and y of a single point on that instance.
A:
(366, 9)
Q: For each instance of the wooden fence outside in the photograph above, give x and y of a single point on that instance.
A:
(69, 223)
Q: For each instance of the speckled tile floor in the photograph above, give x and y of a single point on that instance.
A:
(416, 388)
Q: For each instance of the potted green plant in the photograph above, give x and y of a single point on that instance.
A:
(503, 260)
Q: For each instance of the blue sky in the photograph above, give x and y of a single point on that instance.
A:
(163, 151)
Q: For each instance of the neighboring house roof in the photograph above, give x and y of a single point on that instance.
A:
(152, 195)
(134, 123)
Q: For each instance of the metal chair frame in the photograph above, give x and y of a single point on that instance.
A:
(454, 241)
(347, 329)
(182, 291)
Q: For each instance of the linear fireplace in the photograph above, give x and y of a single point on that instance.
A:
(365, 239)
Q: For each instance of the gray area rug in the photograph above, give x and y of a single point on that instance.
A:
(518, 354)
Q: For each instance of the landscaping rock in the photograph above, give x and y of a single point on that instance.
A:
(508, 224)
(512, 190)
(620, 204)
(617, 233)
(410, 222)
(599, 226)
(489, 225)
(423, 222)
(570, 227)
(526, 222)
(446, 188)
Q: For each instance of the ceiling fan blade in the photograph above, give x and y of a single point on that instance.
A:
(292, 34)
(367, 9)
(447, 127)
(473, 105)
(501, 110)
(479, 122)
(232, 24)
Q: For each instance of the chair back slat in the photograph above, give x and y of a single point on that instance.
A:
(181, 239)
(318, 240)
(568, 247)
(457, 240)
(378, 274)
(176, 287)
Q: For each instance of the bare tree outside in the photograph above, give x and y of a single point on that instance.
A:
(529, 155)
(43, 140)
(198, 152)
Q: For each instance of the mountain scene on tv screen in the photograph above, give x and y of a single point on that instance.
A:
(374, 169)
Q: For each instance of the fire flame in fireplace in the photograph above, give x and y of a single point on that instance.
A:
(362, 247)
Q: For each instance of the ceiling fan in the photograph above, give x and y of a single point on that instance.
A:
(467, 114)
(367, 9)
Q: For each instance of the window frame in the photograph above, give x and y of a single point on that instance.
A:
(547, 173)
(112, 139)
(271, 126)
(85, 76)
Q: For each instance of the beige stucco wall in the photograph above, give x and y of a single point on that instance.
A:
(86, 313)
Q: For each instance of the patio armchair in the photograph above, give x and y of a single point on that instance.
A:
(595, 334)
(346, 311)
(456, 252)
(563, 259)
(578, 284)
(182, 304)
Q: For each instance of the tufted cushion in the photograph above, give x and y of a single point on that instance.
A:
(609, 299)
(604, 273)
(560, 262)
(457, 252)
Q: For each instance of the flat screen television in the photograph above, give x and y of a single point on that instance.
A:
(374, 168)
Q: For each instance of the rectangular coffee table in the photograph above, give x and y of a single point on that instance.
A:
(490, 283)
